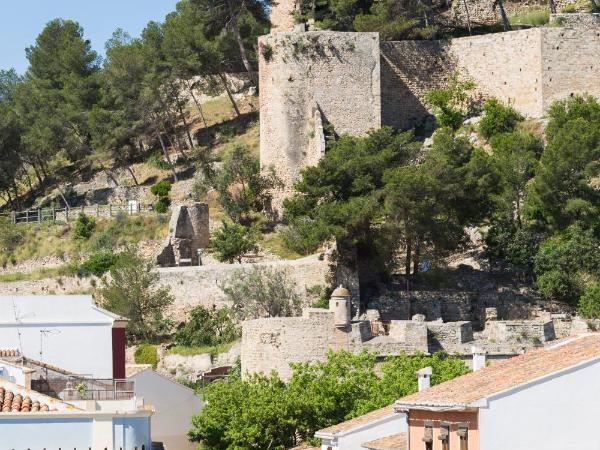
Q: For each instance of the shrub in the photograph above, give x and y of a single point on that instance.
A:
(10, 236)
(560, 285)
(453, 104)
(146, 354)
(155, 160)
(262, 292)
(161, 189)
(98, 263)
(208, 327)
(84, 227)
(232, 241)
(162, 206)
(589, 303)
(498, 118)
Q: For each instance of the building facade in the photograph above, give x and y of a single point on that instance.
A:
(69, 332)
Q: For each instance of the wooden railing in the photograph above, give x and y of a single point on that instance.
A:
(67, 214)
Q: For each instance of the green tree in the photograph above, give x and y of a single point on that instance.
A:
(264, 412)
(342, 197)
(63, 86)
(498, 118)
(232, 241)
(262, 292)
(208, 327)
(452, 104)
(84, 227)
(243, 189)
(133, 292)
(589, 303)
(429, 205)
(565, 261)
(516, 156)
(397, 20)
(562, 191)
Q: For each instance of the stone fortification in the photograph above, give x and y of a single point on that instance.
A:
(193, 286)
(529, 69)
(274, 343)
(356, 83)
(310, 78)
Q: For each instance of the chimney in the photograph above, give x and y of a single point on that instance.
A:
(424, 378)
(478, 358)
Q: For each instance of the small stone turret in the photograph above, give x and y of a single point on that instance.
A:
(340, 304)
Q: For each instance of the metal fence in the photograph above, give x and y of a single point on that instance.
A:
(67, 214)
(72, 389)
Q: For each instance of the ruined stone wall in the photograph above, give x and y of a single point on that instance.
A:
(517, 331)
(571, 63)
(453, 333)
(282, 16)
(450, 306)
(336, 74)
(193, 286)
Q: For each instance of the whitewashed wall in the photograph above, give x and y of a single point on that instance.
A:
(353, 439)
(84, 349)
(174, 406)
(557, 414)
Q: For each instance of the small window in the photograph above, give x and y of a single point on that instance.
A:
(463, 435)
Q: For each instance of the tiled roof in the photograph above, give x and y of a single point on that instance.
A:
(394, 442)
(373, 416)
(506, 375)
(11, 402)
(8, 353)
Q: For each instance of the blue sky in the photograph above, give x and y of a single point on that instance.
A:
(22, 21)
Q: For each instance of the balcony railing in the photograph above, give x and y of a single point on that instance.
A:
(73, 389)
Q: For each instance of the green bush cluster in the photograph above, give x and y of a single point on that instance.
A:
(208, 327)
(264, 412)
(156, 160)
(98, 264)
(498, 118)
(84, 227)
(162, 190)
(146, 354)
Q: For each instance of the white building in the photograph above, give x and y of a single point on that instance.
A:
(544, 399)
(350, 435)
(31, 420)
(175, 405)
(69, 332)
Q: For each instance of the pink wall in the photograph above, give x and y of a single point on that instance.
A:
(416, 423)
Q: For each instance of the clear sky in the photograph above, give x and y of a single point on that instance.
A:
(22, 21)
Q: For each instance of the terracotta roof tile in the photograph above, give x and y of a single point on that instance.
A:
(503, 376)
(11, 402)
(359, 421)
(9, 353)
(394, 442)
